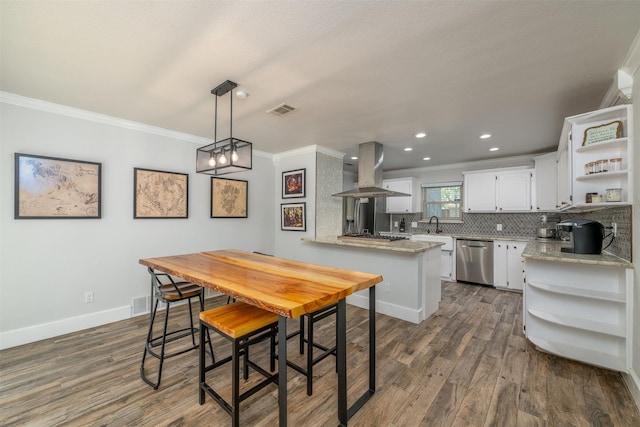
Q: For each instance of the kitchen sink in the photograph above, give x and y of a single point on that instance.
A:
(447, 240)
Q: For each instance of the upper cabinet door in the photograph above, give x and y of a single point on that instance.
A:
(480, 192)
(402, 204)
(514, 191)
(546, 183)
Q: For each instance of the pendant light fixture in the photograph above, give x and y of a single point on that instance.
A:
(227, 155)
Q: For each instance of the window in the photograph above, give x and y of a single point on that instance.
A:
(442, 199)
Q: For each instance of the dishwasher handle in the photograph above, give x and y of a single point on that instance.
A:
(475, 246)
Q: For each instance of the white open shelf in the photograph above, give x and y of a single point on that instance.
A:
(580, 292)
(578, 353)
(616, 330)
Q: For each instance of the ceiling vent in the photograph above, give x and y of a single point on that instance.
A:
(281, 110)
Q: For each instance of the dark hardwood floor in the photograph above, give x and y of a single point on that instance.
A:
(467, 365)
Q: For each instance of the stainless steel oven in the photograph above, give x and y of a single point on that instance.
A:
(474, 261)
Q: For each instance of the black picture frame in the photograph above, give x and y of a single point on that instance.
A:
(293, 216)
(229, 198)
(294, 183)
(56, 188)
(160, 194)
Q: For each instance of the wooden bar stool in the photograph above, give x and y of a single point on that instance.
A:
(170, 291)
(243, 325)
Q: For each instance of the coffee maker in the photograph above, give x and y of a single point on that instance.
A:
(586, 236)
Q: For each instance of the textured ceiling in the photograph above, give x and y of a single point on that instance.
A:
(356, 71)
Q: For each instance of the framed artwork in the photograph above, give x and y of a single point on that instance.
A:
(293, 216)
(229, 198)
(293, 183)
(51, 187)
(159, 194)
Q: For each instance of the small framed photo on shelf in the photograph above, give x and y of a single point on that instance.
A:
(159, 194)
(51, 187)
(293, 184)
(229, 198)
(604, 132)
(293, 216)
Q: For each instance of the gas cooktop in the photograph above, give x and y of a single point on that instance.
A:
(372, 237)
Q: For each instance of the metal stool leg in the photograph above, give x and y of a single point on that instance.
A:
(310, 356)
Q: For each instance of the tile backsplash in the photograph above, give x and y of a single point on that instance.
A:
(525, 224)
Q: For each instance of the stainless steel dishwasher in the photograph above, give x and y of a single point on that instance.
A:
(474, 261)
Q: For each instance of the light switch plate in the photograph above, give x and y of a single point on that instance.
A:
(414, 224)
(499, 227)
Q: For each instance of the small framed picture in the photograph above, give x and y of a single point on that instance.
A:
(51, 187)
(293, 183)
(229, 198)
(158, 194)
(293, 216)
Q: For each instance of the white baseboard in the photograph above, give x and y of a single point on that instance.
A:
(393, 310)
(632, 380)
(42, 331)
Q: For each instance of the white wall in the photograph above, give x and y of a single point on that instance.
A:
(288, 243)
(47, 265)
(634, 380)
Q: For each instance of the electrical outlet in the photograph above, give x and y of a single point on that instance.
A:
(395, 223)
(614, 230)
(387, 287)
(414, 224)
(88, 297)
(499, 227)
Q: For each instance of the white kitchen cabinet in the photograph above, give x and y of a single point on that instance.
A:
(498, 190)
(565, 178)
(546, 185)
(583, 153)
(508, 264)
(513, 191)
(407, 204)
(447, 255)
(580, 311)
(479, 192)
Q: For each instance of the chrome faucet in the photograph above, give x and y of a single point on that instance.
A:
(437, 223)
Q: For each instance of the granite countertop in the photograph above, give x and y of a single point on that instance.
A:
(395, 246)
(462, 236)
(550, 251)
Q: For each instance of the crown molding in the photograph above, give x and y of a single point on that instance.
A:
(50, 107)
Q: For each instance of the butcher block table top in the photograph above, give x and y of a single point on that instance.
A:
(288, 288)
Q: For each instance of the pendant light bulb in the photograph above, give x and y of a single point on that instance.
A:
(234, 155)
(212, 160)
(223, 158)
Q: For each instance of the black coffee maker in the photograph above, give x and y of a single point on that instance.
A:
(587, 236)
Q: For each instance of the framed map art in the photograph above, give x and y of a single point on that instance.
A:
(159, 194)
(229, 198)
(51, 187)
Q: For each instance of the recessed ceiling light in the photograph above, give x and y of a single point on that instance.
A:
(408, 149)
(421, 135)
(242, 93)
(354, 158)
(426, 158)
(485, 136)
(494, 149)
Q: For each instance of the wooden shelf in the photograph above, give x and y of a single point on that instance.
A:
(609, 144)
(581, 292)
(597, 358)
(581, 323)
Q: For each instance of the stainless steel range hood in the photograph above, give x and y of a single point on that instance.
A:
(370, 158)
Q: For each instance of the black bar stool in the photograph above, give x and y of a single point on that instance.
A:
(311, 319)
(243, 325)
(170, 291)
(306, 337)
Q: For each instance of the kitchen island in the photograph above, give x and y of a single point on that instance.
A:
(411, 289)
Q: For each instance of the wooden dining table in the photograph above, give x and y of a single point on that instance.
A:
(290, 289)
